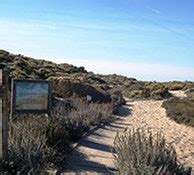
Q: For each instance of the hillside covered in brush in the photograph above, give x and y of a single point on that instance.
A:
(68, 80)
(80, 81)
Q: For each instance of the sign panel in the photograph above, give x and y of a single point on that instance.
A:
(31, 96)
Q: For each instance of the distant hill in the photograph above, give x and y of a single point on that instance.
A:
(20, 66)
(25, 67)
(77, 79)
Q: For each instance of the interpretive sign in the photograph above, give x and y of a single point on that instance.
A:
(31, 96)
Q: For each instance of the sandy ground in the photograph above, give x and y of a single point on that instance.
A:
(180, 94)
(151, 114)
(94, 153)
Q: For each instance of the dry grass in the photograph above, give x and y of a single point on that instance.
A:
(85, 115)
(38, 142)
(27, 145)
(142, 152)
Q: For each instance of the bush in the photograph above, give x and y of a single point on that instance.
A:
(188, 85)
(67, 87)
(37, 142)
(150, 90)
(140, 152)
(76, 122)
(117, 98)
(180, 110)
(58, 142)
(27, 145)
(190, 93)
(175, 85)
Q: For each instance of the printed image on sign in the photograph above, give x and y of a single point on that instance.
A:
(31, 95)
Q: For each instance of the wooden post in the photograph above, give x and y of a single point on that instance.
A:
(4, 114)
(1, 114)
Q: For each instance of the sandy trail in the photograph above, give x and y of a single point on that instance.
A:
(151, 114)
(180, 94)
(94, 153)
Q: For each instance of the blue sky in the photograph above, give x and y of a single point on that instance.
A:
(146, 39)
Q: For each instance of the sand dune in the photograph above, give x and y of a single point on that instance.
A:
(151, 114)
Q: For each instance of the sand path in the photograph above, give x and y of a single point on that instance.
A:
(94, 153)
(151, 114)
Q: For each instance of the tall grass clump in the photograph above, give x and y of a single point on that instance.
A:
(27, 145)
(36, 143)
(84, 116)
(144, 152)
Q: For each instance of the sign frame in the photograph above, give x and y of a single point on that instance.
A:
(39, 111)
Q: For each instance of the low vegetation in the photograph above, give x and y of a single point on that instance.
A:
(190, 93)
(180, 110)
(140, 151)
(66, 87)
(177, 85)
(149, 90)
(28, 145)
(21, 66)
(98, 85)
(38, 143)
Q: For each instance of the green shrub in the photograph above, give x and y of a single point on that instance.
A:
(180, 110)
(174, 85)
(36, 143)
(117, 98)
(27, 145)
(58, 142)
(143, 152)
(76, 122)
(149, 90)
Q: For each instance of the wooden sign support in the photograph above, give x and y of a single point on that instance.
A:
(1, 113)
(4, 107)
